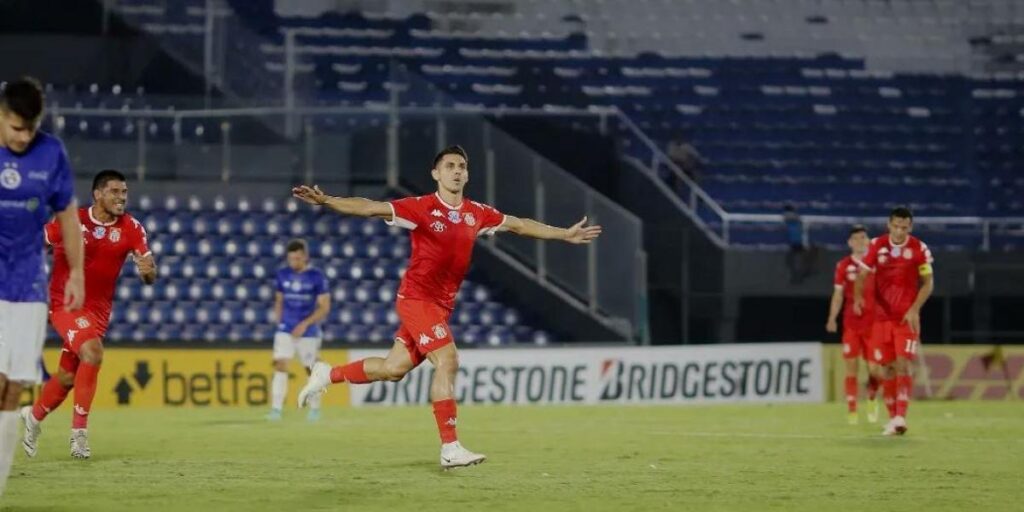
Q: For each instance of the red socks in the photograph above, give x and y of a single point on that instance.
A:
(85, 391)
(904, 385)
(50, 398)
(444, 413)
(889, 394)
(872, 387)
(851, 393)
(352, 373)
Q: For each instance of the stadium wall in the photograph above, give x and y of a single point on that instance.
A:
(682, 375)
(950, 372)
(609, 374)
(975, 300)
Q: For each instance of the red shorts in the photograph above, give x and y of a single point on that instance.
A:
(857, 343)
(424, 328)
(891, 339)
(75, 328)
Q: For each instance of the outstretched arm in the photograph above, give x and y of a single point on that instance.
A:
(576, 234)
(357, 206)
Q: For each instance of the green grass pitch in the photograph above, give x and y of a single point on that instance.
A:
(957, 456)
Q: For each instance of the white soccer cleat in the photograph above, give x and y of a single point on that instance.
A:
(319, 379)
(453, 455)
(890, 428)
(899, 424)
(80, 443)
(32, 430)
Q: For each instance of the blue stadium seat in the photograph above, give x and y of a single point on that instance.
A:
(183, 313)
(229, 312)
(136, 313)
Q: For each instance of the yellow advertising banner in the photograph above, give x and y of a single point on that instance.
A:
(194, 378)
(950, 372)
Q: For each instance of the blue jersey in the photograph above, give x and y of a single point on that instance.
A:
(300, 291)
(33, 185)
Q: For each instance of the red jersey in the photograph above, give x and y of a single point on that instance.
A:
(846, 273)
(897, 272)
(442, 243)
(107, 246)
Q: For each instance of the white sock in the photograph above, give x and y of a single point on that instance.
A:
(278, 389)
(8, 443)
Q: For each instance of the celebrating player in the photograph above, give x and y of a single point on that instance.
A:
(35, 182)
(111, 236)
(856, 328)
(903, 282)
(444, 226)
(301, 303)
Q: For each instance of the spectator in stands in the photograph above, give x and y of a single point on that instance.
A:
(683, 154)
(800, 258)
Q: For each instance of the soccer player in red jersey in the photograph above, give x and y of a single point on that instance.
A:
(904, 280)
(444, 226)
(111, 235)
(856, 328)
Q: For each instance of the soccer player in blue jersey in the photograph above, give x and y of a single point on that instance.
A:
(35, 182)
(301, 303)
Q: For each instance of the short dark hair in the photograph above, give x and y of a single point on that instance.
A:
(901, 212)
(858, 228)
(295, 245)
(106, 176)
(24, 97)
(451, 150)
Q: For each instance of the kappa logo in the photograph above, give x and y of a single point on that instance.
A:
(454, 217)
(79, 410)
(882, 259)
(437, 213)
(437, 226)
(439, 331)
(71, 335)
(425, 340)
(451, 422)
(82, 322)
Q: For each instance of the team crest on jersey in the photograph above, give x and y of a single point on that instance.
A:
(437, 226)
(470, 220)
(82, 322)
(437, 213)
(454, 217)
(907, 254)
(10, 178)
(99, 232)
(115, 235)
(439, 331)
(296, 286)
